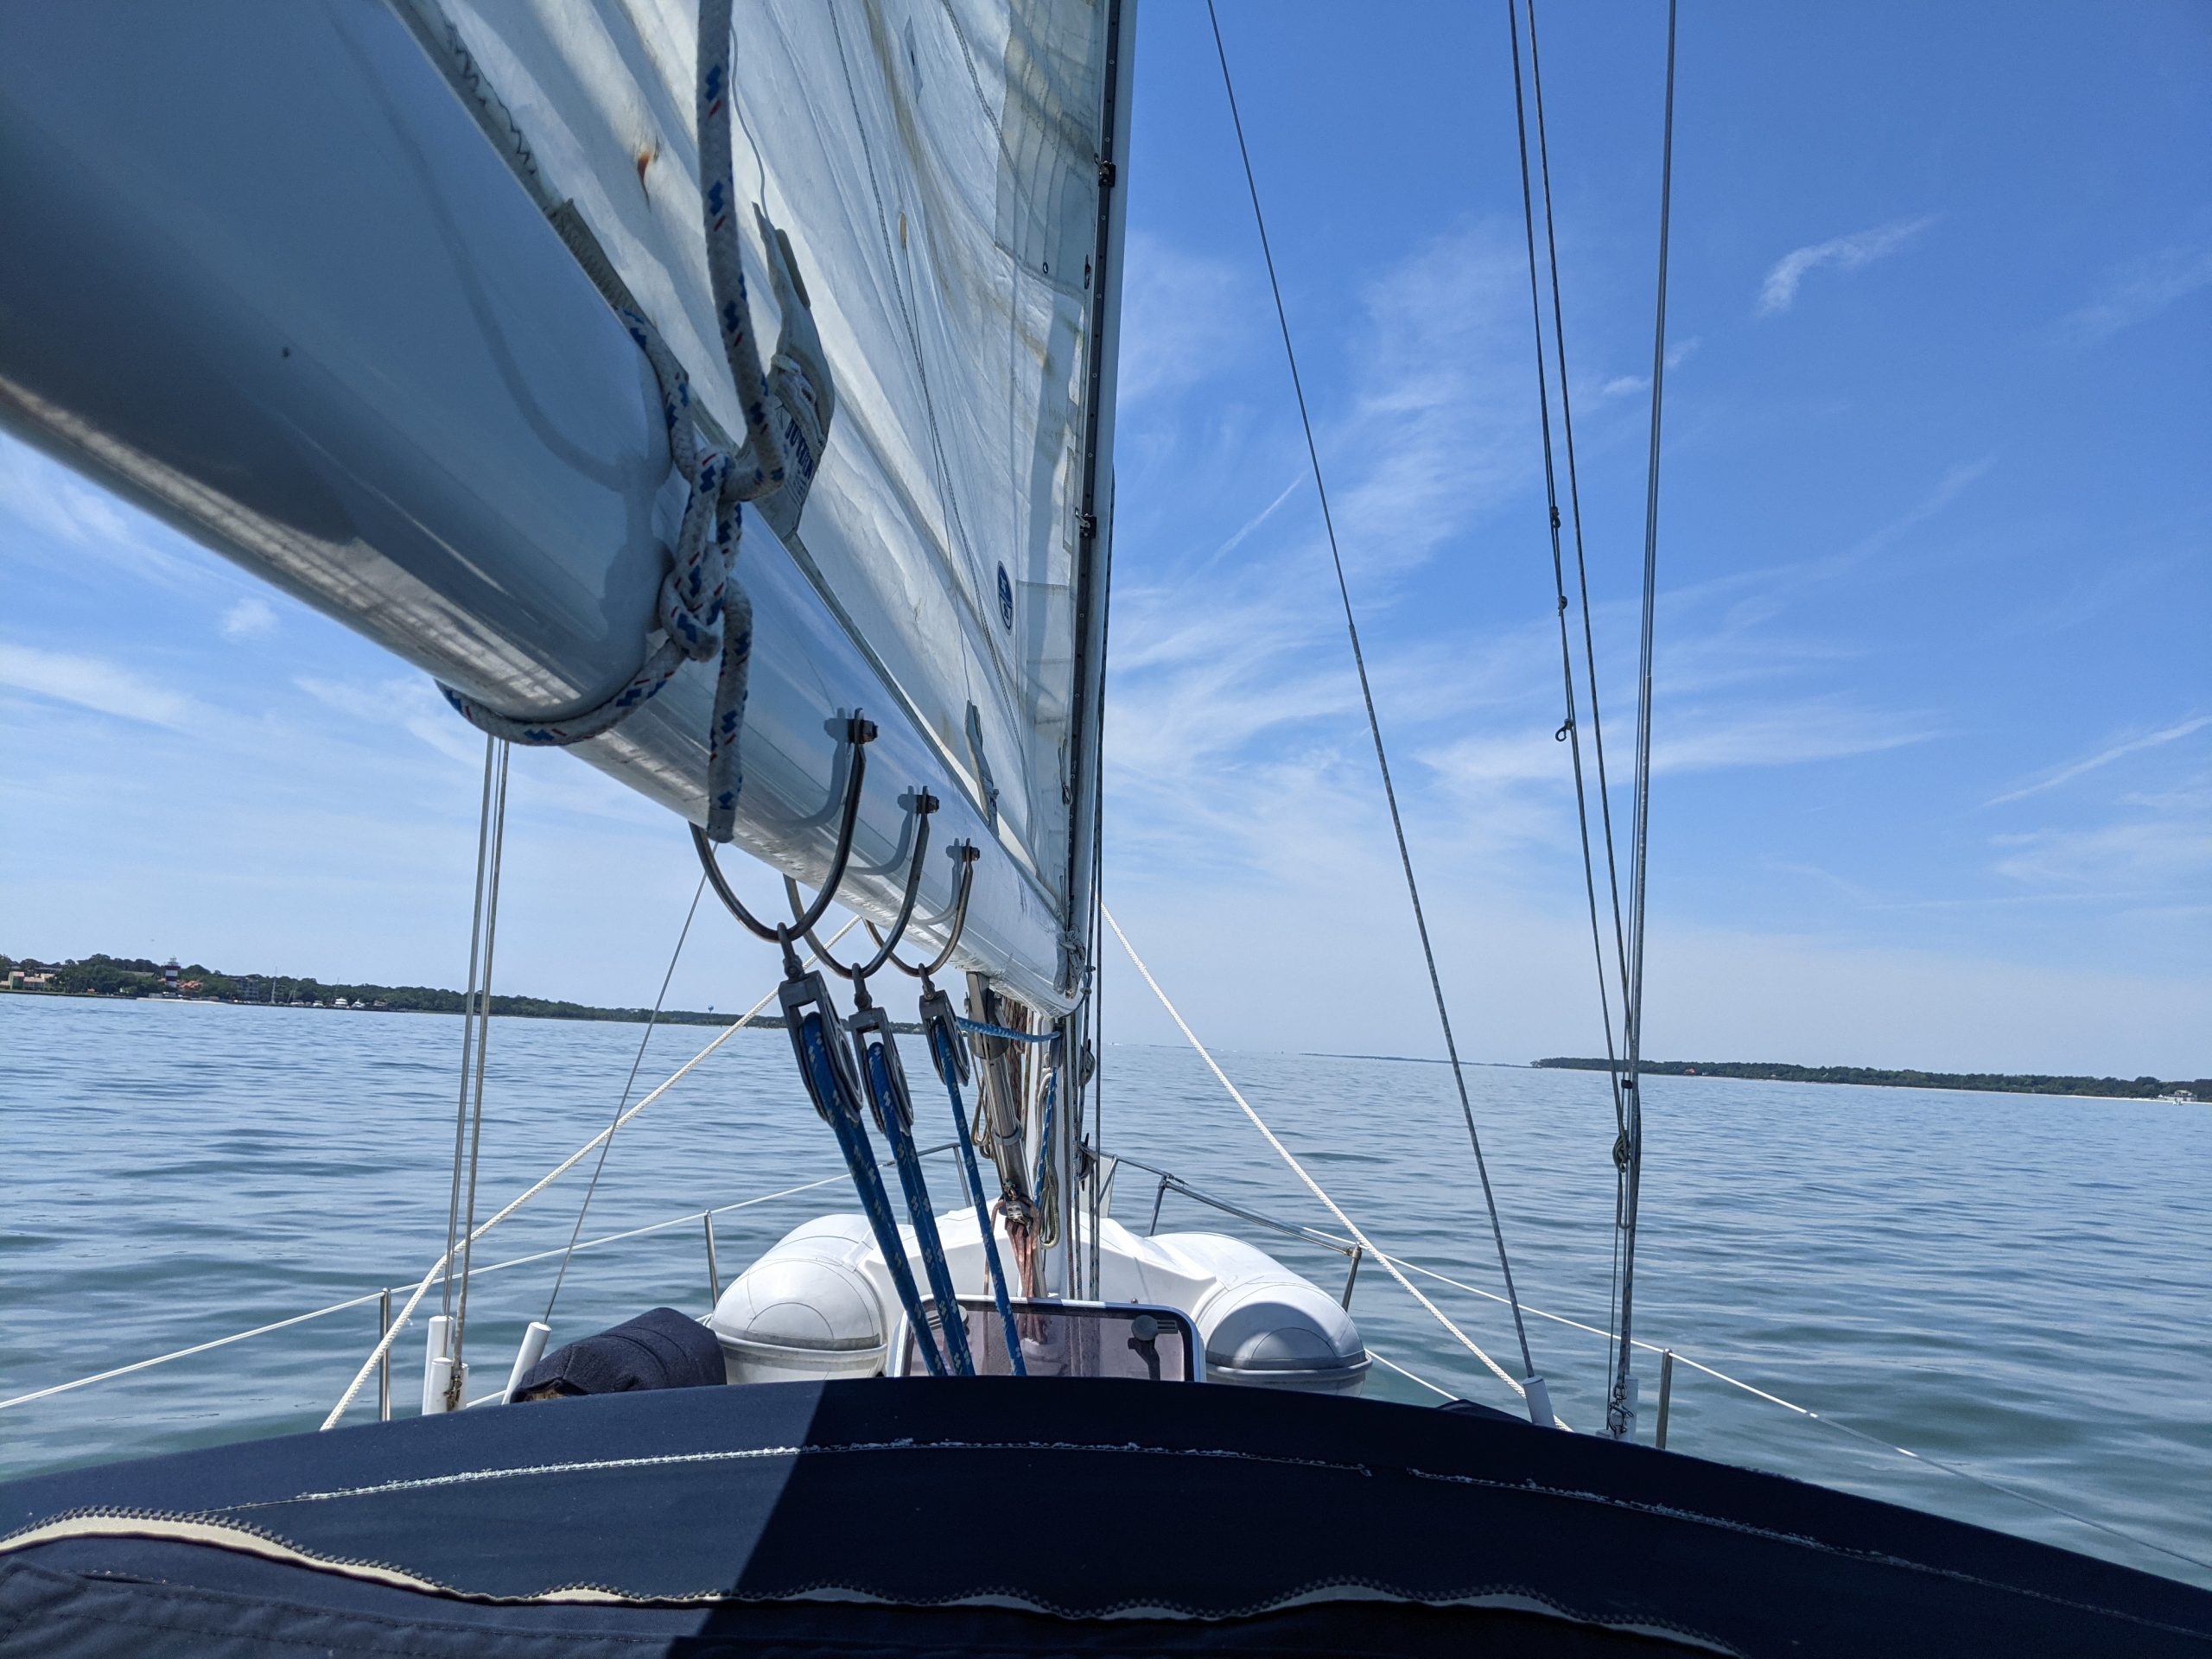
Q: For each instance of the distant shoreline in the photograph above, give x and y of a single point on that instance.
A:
(766, 1020)
(137, 979)
(123, 978)
(1873, 1076)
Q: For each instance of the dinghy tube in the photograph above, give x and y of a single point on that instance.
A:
(819, 1303)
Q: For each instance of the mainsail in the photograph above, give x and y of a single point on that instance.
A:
(290, 301)
(935, 167)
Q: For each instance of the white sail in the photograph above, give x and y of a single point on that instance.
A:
(272, 284)
(935, 168)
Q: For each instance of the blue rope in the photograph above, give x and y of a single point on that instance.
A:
(860, 1158)
(1044, 1138)
(984, 1028)
(948, 1069)
(892, 1111)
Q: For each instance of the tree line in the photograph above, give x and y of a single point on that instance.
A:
(100, 975)
(2009, 1083)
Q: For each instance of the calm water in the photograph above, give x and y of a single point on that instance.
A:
(2016, 1284)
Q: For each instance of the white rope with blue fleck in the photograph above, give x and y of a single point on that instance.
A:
(702, 612)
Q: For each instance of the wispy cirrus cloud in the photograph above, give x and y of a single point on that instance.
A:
(252, 618)
(1623, 385)
(1779, 291)
(1231, 682)
(2104, 757)
(1234, 714)
(97, 684)
(412, 704)
(407, 701)
(1184, 314)
(2148, 855)
(67, 518)
(2139, 291)
(1441, 413)
(1791, 732)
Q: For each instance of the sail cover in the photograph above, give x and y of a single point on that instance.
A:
(934, 164)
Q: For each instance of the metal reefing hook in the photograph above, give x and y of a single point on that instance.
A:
(918, 823)
(968, 853)
(858, 732)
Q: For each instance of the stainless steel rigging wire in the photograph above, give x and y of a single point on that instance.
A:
(1367, 695)
(1574, 494)
(1571, 728)
(629, 1083)
(476, 1032)
(1618, 1419)
(467, 1033)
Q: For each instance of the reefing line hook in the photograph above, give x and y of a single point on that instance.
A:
(858, 732)
(967, 853)
(923, 804)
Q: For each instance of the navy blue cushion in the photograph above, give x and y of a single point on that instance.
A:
(662, 1349)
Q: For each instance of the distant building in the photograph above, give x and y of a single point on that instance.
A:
(169, 971)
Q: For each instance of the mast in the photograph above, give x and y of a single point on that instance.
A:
(1095, 528)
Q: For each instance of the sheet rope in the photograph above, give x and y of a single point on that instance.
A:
(886, 1080)
(1374, 719)
(945, 1057)
(1300, 1170)
(383, 1344)
(1004, 1033)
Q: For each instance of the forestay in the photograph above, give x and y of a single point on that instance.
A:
(934, 164)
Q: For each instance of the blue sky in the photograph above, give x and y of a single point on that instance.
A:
(1934, 707)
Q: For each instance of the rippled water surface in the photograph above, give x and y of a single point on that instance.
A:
(2016, 1284)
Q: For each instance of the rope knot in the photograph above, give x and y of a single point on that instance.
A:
(691, 593)
(701, 612)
